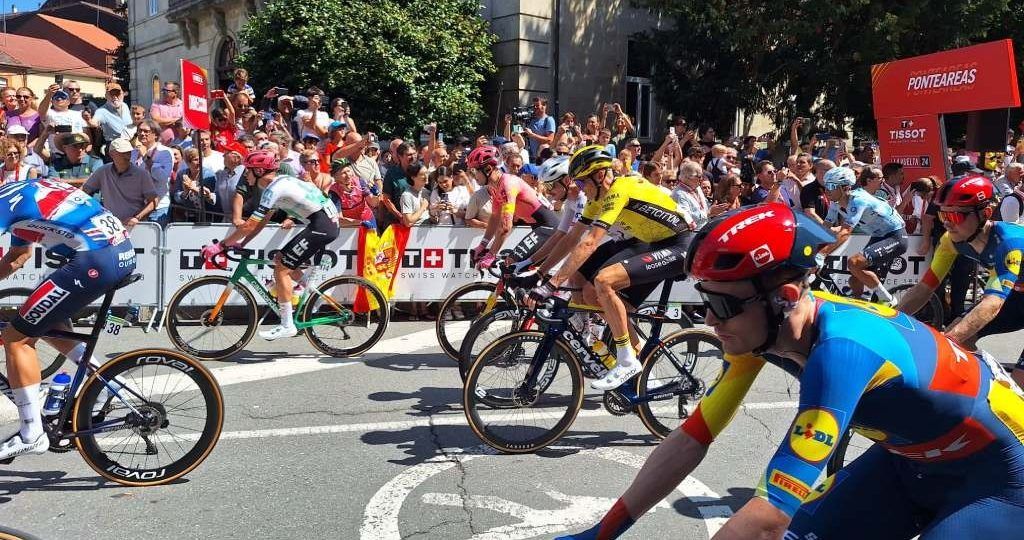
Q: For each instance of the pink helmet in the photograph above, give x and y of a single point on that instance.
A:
(483, 155)
(262, 159)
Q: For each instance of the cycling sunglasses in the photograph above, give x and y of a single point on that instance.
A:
(724, 306)
(954, 217)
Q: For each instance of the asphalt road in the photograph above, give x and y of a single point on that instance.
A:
(379, 449)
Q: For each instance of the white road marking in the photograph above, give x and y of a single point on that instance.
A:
(380, 518)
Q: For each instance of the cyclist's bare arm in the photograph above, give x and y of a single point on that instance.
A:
(964, 330)
(503, 226)
(579, 255)
(14, 259)
(246, 231)
(563, 248)
(548, 247)
(915, 298)
(492, 227)
(843, 233)
(668, 465)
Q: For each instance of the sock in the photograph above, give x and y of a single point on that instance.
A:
(75, 355)
(883, 293)
(286, 313)
(30, 407)
(624, 354)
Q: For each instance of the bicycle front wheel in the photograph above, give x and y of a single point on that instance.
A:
(675, 376)
(488, 328)
(163, 421)
(463, 306)
(211, 318)
(531, 417)
(50, 360)
(349, 313)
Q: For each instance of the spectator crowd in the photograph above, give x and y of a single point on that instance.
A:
(145, 166)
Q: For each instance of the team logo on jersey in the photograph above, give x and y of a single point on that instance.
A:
(789, 484)
(1013, 261)
(94, 273)
(45, 298)
(814, 435)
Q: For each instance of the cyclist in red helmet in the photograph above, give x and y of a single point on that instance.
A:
(966, 206)
(511, 198)
(948, 459)
(300, 200)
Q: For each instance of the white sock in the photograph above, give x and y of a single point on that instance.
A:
(883, 293)
(30, 411)
(625, 356)
(75, 355)
(286, 313)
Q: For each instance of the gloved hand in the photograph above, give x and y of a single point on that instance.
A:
(526, 280)
(542, 292)
(479, 250)
(819, 259)
(486, 261)
(615, 523)
(521, 266)
(212, 250)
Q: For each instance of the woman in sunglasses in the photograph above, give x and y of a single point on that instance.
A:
(948, 460)
(14, 168)
(966, 210)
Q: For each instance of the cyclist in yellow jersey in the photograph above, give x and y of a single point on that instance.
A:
(657, 235)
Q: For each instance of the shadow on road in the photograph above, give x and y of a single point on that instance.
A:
(54, 481)
(737, 497)
(414, 362)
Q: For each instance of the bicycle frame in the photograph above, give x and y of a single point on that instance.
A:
(242, 276)
(84, 368)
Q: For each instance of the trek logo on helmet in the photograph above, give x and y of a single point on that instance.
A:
(744, 224)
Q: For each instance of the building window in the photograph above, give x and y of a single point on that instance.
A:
(226, 56)
(3, 82)
(156, 88)
(638, 105)
(154, 7)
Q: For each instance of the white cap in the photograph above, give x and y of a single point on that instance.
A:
(121, 144)
(17, 129)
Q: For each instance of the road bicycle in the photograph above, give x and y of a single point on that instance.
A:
(469, 303)
(145, 418)
(931, 313)
(508, 318)
(531, 377)
(213, 317)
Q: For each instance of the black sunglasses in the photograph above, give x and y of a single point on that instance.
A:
(724, 306)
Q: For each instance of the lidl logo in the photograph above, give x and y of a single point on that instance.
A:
(1013, 261)
(814, 435)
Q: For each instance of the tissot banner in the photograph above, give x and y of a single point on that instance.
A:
(914, 142)
(972, 78)
(195, 96)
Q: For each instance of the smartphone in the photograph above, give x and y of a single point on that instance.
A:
(59, 79)
(443, 197)
(63, 128)
(217, 94)
(672, 131)
(823, 136)
(281, 91)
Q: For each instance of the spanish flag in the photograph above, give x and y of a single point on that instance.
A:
(380, 257)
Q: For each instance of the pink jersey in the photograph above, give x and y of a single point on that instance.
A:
(514, 197)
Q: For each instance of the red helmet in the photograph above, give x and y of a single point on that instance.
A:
(482, 155)
(972, 191)
(262, 159)
(750, 241)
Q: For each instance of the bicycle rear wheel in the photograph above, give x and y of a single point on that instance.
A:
(534, 417)
(175, 418)
(201, 324)
(463, 306)
(50, 360)
(931, 313)
(675, 376)
(351, 315)
(488, 328)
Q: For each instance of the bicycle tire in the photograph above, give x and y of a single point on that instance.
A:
(661, 368)
(7, 533)
(44, 351)
(317, 334)
(490, 324)
(931, 313)
(94, 402)
(496, 355)
(178, 317)
(447, 335)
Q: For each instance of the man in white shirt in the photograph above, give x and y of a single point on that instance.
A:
(158, 160)
(1010, 179)
(1011, 208)
(689, 195)
(311, 120)
(212, 159)
(227, 180)
(55, 111)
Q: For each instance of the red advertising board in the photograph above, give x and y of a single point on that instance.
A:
(195, 96)
(915, 142)
(974, 78)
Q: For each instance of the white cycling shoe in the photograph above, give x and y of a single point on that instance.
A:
(279, 332)
(614, 378)
(15, 446)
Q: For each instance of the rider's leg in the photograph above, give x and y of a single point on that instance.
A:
(859, 267)
(607, 282)
(24, 376)
(283, 283)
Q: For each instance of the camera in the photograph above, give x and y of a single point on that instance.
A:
(443, 196)
(521, 115)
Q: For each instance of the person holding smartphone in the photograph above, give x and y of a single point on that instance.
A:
(167, 111)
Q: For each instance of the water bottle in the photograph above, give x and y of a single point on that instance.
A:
(55, 394)
(602, 352)
(133, 313)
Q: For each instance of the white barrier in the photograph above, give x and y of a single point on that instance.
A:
(436, 259)
(146, 239)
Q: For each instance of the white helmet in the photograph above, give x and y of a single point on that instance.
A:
(839, 177)
(554, 169)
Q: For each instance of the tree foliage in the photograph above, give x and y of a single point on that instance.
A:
(399, 63)
(793, 57)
